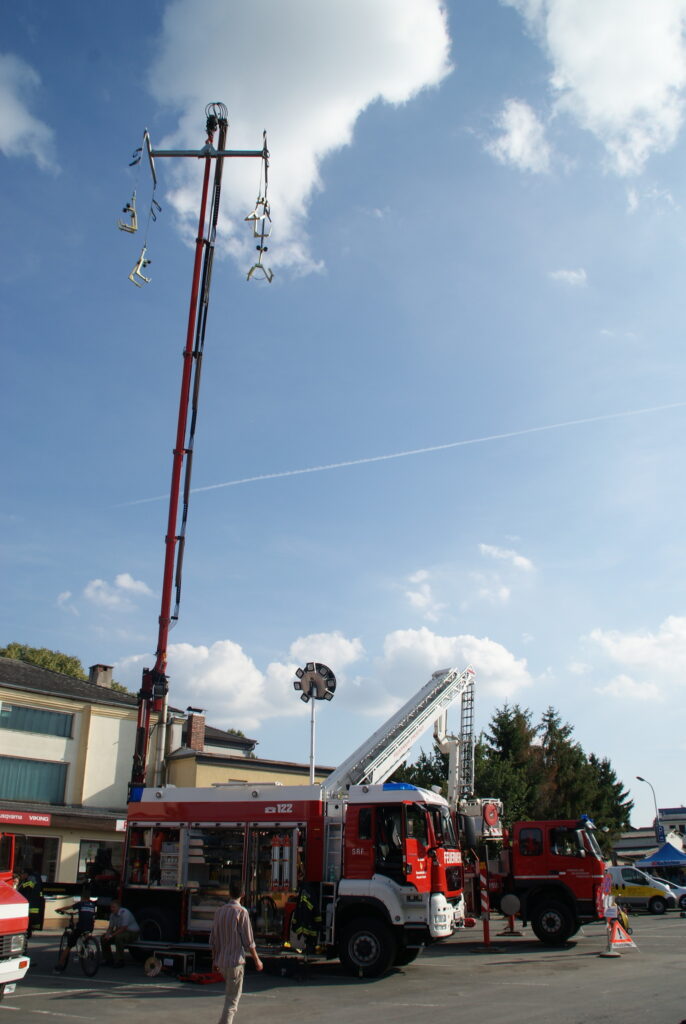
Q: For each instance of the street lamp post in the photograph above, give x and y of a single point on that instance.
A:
(659, 830)
(315, 682)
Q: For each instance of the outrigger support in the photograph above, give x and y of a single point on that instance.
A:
(138, 269)
(130, 209)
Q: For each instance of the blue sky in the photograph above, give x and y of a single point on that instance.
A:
(478, 237)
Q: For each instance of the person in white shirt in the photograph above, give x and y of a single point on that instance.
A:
(122, 930)
(231, 935)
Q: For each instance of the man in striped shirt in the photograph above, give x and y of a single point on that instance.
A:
(231, 935)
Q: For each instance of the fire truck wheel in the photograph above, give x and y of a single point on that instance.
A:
(157, 925)
(553, 923)
(367, 947)
(405, 956)
(2, 992)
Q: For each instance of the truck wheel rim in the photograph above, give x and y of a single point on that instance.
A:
(365, 949)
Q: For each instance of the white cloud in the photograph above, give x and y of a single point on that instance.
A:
(618, 68)
(116, 596)
(416, 653)
(64, 602)
(662, 653)
(421, 597)
(223, 679)
(490, 587)
(626, 688)
(522, 140)
(574, 278)
(22, 134)
(333, 649)
(305, 71)
(125, 581)
(506, 554)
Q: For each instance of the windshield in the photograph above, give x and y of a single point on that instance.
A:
(592, 845)
(443, 826)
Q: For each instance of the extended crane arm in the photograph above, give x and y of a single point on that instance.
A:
(379, 756)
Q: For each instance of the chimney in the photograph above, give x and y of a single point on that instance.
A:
(100, 675)
(195, 729)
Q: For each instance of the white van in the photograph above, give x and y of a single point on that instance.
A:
(636, 889)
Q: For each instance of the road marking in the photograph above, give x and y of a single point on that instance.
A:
(48, 1013)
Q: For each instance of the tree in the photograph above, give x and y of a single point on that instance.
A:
(55, 661)
(427, 771)
(539, 771)
(67, 664)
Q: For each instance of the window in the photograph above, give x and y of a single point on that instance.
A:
(99, 861)
(364, 823)
(443, 826)
(38, 854)
(23, 719)
(531, 842)
(565, 842)
(416, 823)
(21, 779)
(6, 849)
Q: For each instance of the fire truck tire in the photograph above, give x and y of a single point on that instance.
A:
(657, 905)
(553, 923)
(2, 992)
(157, 925)
(367, 947)
(405, 956)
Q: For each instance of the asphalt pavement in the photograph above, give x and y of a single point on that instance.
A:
(515, 981)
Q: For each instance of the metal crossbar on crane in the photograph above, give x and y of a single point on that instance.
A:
(153, 692)
(379, 756)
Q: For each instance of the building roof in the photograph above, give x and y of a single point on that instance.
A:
(20, 675)
(258, 763)
(220, 737)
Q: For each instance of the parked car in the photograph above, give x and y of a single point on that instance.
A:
(634, 888)
(678, 890)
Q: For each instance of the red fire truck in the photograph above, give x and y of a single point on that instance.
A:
(548, 873)
(14, 922)
(356, 867)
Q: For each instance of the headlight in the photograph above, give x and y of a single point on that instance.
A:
(17, 944)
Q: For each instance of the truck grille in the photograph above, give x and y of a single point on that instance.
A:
(6, 945)
(453, 880)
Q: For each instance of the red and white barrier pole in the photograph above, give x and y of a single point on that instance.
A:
(485, 904)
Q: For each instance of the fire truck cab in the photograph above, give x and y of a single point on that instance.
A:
(550, 873)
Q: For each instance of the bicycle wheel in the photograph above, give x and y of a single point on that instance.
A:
(89, 956)
(64, 947)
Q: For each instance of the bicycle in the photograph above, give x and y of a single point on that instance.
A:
(86, 946)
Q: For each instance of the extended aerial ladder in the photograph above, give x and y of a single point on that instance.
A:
(379, 756)
(460, 749)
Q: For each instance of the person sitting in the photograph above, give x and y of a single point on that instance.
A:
(122, 930)
(85, 920)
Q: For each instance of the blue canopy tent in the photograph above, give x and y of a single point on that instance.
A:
(666, 857)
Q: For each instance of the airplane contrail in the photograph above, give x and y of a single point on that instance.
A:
(418, 451)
